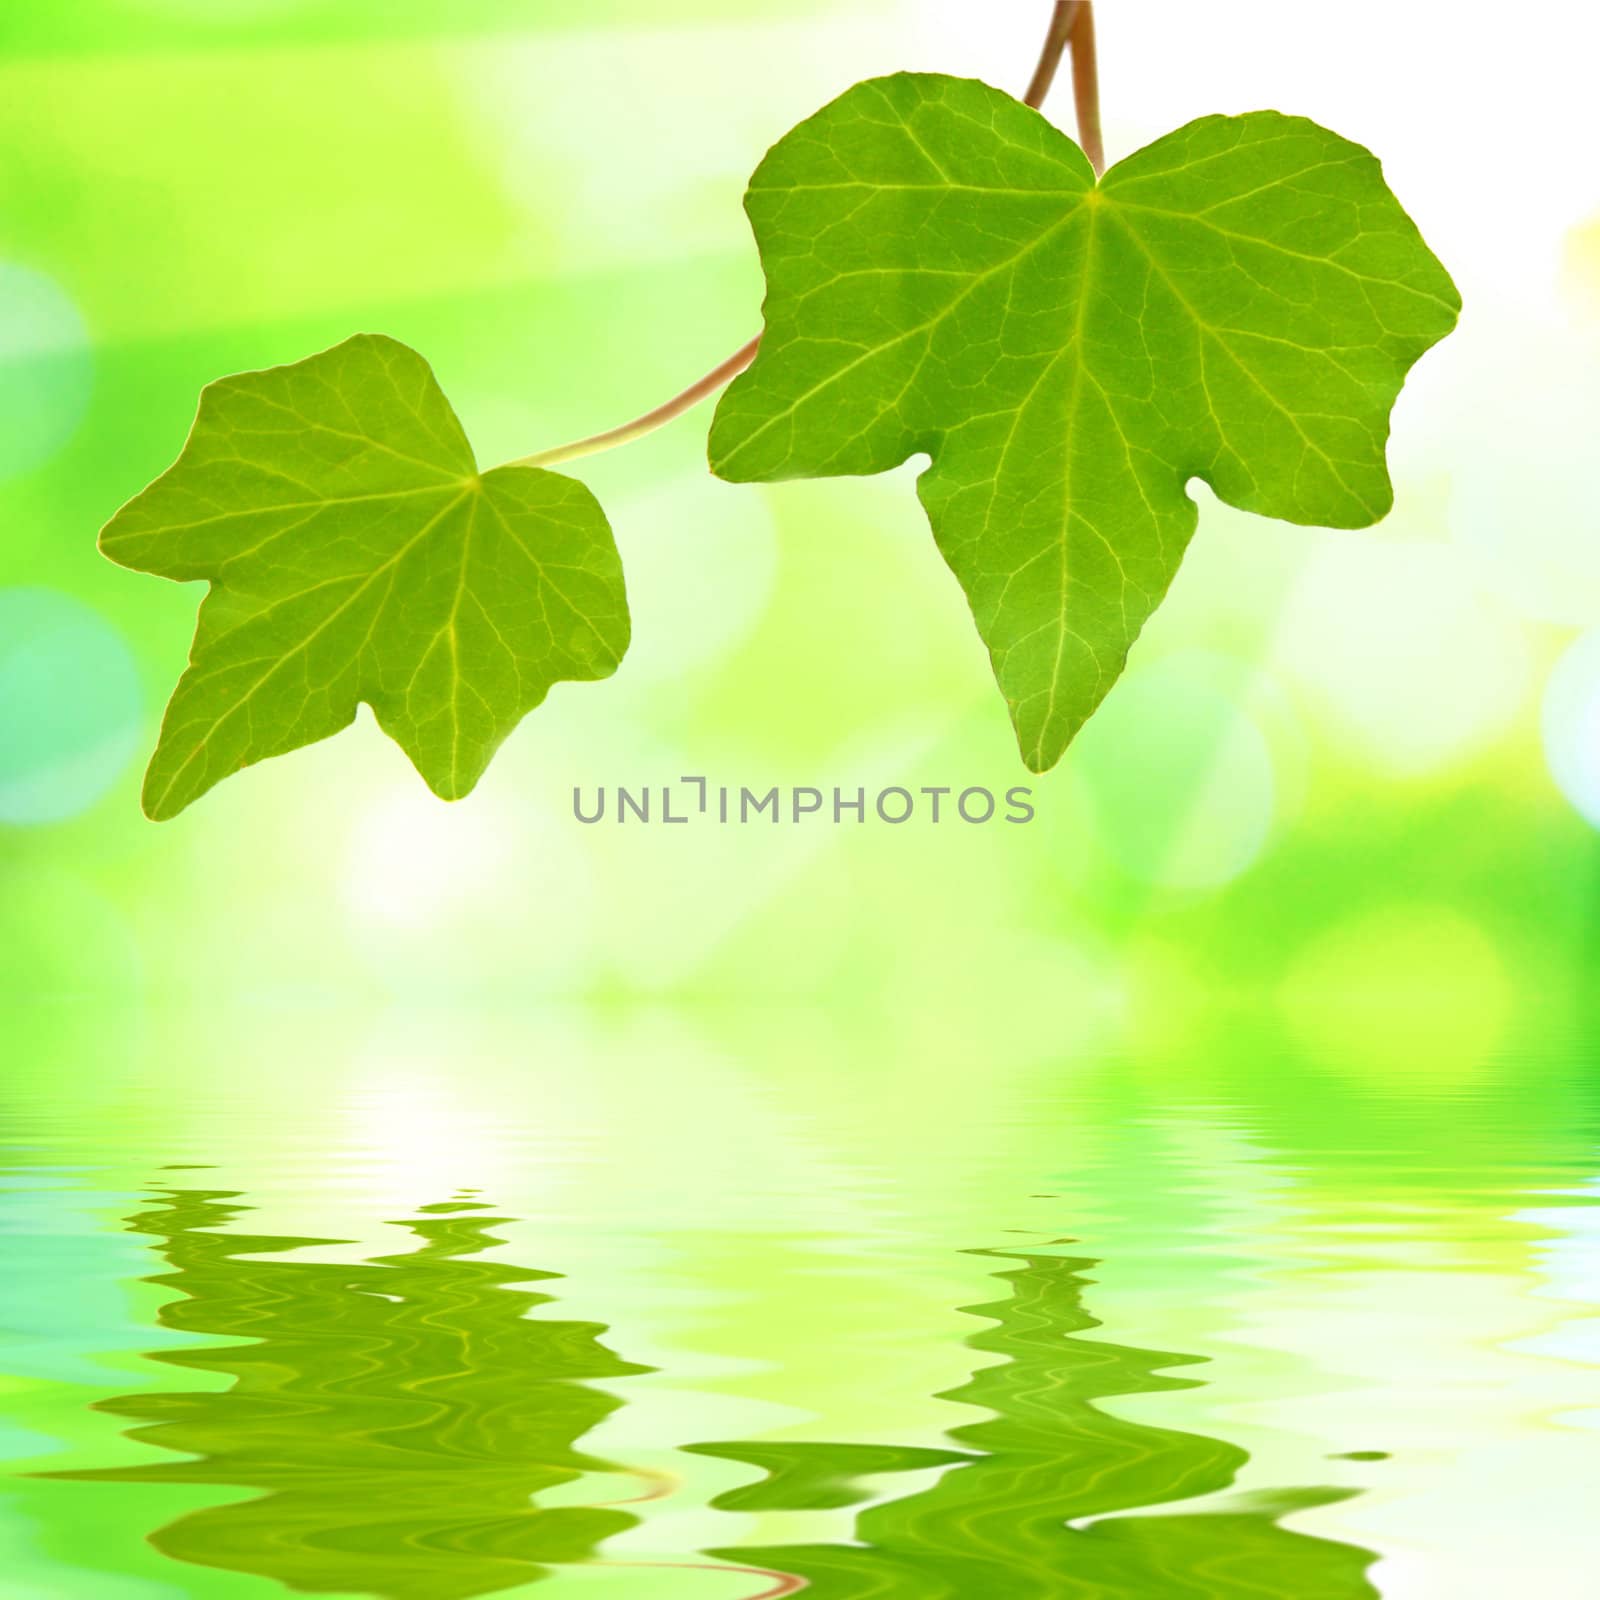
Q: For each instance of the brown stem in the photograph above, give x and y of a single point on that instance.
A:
(651, 420)
(1055, 43)
(1071, 27)
(1086, 87)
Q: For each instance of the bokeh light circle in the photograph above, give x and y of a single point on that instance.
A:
(1521, 503)
(45, 368)
(1180, 774)
(1571, 723)
(70, 705)
(1403, 989)
(1414, 666)
(691, 614)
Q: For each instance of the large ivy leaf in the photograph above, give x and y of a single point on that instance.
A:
(355, 553)
(1238, 302)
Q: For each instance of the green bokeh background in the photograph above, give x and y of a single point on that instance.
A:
(1326, 858)
(1325, 767)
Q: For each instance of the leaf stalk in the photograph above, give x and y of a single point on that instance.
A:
(651, 420)
(1072, 27)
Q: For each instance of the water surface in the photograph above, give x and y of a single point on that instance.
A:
(389, 1309)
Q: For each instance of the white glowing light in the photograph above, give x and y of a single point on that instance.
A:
(1415, 666)
(1180, 773)
(70, 704)
(1572, 724)
(414, 860)
(45, 368)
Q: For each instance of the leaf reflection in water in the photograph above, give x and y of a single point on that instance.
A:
(1037, 1506)
(398, 1414)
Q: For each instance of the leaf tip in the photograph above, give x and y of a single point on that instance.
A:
(157, 804)
(451, 783)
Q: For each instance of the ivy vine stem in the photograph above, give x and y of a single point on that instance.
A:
(651, 420)
(1071, 29)
(1075, 20)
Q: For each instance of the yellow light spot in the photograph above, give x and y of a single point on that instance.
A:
(1418, 992)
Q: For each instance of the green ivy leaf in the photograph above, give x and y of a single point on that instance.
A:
(355, 552)
(1239, 302)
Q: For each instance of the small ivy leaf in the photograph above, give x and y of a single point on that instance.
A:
(1238, 302)
(355, 552)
